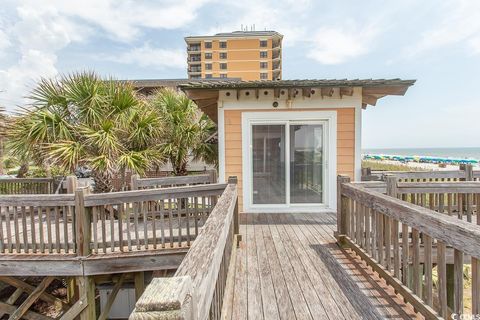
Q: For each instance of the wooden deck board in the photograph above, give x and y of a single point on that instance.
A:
(289, 267)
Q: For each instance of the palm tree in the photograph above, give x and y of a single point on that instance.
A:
(83, 120)
(187, 131)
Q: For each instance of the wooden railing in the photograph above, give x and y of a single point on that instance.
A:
(405, 243)
(84, 223)
(143, 219)
(426, 176)
(27, 186)
(196, 291)
(174, 181)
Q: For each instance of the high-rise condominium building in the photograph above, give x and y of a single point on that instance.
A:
(248, 55)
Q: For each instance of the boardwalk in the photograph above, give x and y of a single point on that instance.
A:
(289, 267)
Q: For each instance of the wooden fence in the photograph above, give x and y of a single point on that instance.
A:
(28, 186)
(84, 223)
(464, 172)
(405, 242)
(174, 181)
(196, 291)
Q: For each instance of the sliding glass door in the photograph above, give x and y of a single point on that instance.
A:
(268, 159)
(306, 163)
(288, 163)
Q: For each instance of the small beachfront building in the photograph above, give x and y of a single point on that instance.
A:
(287, 140)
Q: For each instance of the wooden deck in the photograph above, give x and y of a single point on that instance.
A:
(288, 266)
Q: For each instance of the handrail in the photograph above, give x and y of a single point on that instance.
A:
(153, 194)
(142, 183)
(456, 233)
(26, 185)
(81, 223)
(190, 294)
(433, 175)
(399, 240)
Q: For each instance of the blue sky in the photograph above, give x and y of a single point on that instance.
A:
(435, 42)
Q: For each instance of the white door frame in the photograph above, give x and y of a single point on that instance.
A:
(329, 118)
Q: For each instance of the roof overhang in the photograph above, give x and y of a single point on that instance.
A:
(206, 93)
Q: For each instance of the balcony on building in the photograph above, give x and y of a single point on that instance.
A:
(192, 58)
(194, 47)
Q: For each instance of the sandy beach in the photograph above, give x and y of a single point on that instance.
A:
(420, 165)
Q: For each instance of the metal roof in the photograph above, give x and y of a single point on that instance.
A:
(219, 84)
(240, 34)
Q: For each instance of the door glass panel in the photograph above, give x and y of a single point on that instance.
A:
(268, 158)
(306, 163)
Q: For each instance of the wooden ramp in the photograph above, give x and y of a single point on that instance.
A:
(288, 266)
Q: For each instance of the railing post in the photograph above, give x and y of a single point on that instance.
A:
(167, 298)
(134, 181)
(71, 182)
(82, 222)
(392, 187)
(342, 204)
(236, 224)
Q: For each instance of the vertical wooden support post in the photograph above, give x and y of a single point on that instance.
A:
(342, 206)
(72, 290)
(86, 288)
(71, 182)
(134, 181)
(213, 176)
(450, 285)
(139, 280)
(236, 223)
(82, 222)
(469, 197)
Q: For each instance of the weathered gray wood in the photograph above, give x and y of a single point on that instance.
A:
(86, 287)
(29, 315)
(47, 200)
(442, 279)
(464, 187)
(75, 310)
(82, 222)
(166, 298)
(406, 293)
(201, 266)
(153, 194)
(458, 282)
(111, 297)
(456, 233)
(428, 270)
(172, 181)
(341, 205)
(23, 308)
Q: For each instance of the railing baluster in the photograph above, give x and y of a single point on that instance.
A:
(380, 238)
(442, 278)
(458, 281)
(368, 235)
(405, 254)
(416, 283)
(396, 249)
(388, 243)
(428, 269)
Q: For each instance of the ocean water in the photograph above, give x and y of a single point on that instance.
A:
(461, 153)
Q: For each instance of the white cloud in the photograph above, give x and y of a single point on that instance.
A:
(124, 20)
(332, 45)
(147, 56)
(34, 31)
(459, 23)
(4, 40)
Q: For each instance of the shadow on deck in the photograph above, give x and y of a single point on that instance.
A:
(289, 266)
